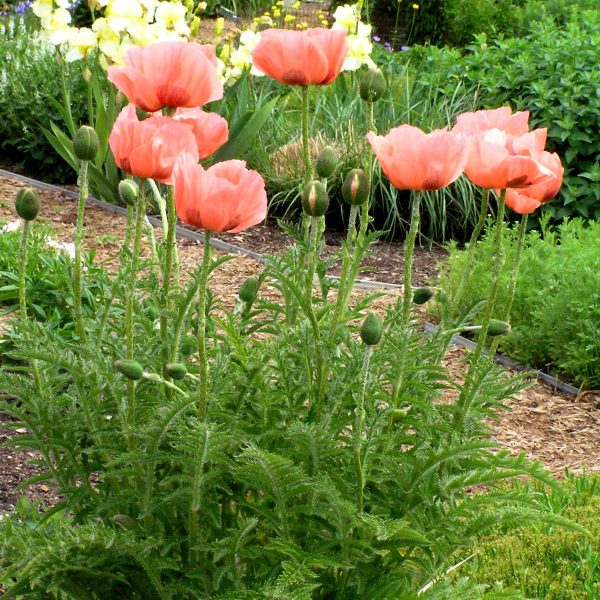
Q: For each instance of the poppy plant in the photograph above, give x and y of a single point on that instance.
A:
(527, 200)
(415, 160)
(499, 161)
(474, 123)
(168, 74)
(314, 56)
(150, 148)
(225, 197)
(210, 129)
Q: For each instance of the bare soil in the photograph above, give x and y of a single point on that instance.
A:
(558, 429)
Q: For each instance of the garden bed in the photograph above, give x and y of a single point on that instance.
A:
(558, 429)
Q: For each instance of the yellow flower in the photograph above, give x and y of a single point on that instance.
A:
(219, 25)
(276, 12)
(171, 16)
(81, 42)
(120, 12)
(416, 6)
(42, 8)
(289, 18)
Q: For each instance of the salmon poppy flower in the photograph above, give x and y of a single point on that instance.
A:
(149, 149)
(474, 123)
(415, 160)
(526, 200)
(168, 74)
(225, 197)
(499, 161)
(313, 56)
(210, 129)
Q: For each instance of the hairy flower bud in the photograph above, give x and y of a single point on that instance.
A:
(497, 327)
(189, 345)
(128, 191)
(421, 295)
(355, 189)
(176, 370)
(249, 290)
(27, 204)
(371, 329)
(372, 85)
(327, 162)
(130, 368)
(315, 200)
(86, 143)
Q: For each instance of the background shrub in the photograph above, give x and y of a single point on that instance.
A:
(29, 90)
(556, 312)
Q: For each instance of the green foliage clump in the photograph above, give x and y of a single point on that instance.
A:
(29, 91)
(555, 317)
(546, 562)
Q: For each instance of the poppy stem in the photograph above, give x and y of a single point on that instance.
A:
(359, 423)
(308, 170)
(83, 194)
(202, 361)
(407, 293)
(23, 256)
(129, 320)
(312, 258)
(514, 275)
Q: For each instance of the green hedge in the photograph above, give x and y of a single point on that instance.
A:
(556, 312)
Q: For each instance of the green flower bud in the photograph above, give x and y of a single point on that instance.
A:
(176, 370)
(189, 345)
(371, 329)
(422, 295)
(315, 200)
(130, 368)
(27, 204)
(372, 85)
(249, 290)
(497, 327)
(128, 191)
(398, 414)
(327, 162)
(355, 189)
(142, 115)
(86, 143)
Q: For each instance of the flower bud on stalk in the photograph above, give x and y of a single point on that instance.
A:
(189, 345)
(497, 327)
(130, 368)
(86, 143)
(421, 295)
(327, 162)
(128, 191)
(315, 200)
(355, 189)
(372, 85)
(249, 290)
(176, 370)
(27, 204)
(371, 329)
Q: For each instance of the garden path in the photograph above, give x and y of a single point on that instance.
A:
(558, 429)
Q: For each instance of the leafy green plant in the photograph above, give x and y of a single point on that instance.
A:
(29, 87)
(549, 563)
(555, 317)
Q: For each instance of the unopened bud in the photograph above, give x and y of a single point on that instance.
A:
(371, 329)
(219, 25)
(27, 204)
(128, 191)
(130, 368)
(189, 345)
(86, 143)
(194, 26)
(249, 290)
(497, 327)
(422, 295)
(355, 189)
(315, 200)
(176, 370)
(326, 162)
(372, 85)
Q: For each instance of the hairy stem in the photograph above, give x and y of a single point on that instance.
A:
(409, 246)
(83, 194)
(514, 275)
(359, 422)
(312, 258)
(202, 359)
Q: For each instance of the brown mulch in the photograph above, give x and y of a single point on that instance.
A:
(558, 429)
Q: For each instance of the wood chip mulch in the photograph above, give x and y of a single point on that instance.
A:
(560, 430)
